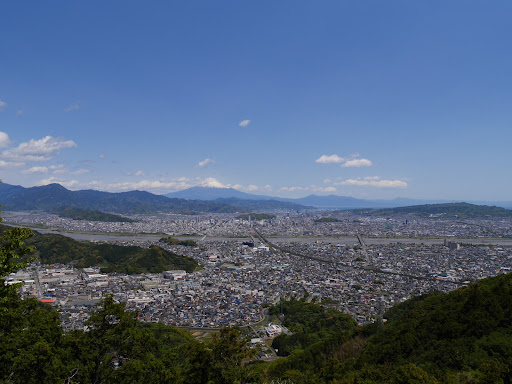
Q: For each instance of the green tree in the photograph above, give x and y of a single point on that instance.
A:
(13, 252)
(114, 347)
(229, 348)
(30, 343)
(30, 333)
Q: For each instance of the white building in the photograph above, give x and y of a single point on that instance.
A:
(174, 275)
(273, 330)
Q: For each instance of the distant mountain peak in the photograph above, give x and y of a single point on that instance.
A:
(53, 186)
(211, 182)
(202, 192)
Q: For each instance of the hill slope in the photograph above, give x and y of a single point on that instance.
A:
(90, 215)
(53, 248)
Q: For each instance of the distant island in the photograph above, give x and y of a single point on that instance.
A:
(462, 210)
(90, 215)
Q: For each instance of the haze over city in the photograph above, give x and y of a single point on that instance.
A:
(363, 99)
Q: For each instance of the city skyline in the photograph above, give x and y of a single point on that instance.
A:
(373, 100)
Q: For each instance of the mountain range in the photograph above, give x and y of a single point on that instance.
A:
(54, 197)
(329, 201)
(189, 201)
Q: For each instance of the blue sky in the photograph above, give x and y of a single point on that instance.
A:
(371, 99)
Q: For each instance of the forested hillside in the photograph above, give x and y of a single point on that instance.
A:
(53, 248)
(462, 210)
(90, 215)
(309, 324)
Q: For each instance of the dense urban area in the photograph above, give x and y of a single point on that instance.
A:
(361, 265)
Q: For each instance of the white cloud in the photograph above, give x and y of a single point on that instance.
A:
(3, 104)
(372, 178)
(58, 169)
(10, 164)
(72, 107)
(292, 189)
(70, 184)
(4, 140)
(374, 181)
(327, 181)
(94, 184)
(173, 184)
(250, 188)
(356, 163)
(212, 182)
(80, 171)
(159, 186)
(315, 188)
(329, 159)
(35, 170)
(38, 150)
(311, 188)
(148, 184)
(353, 161)
(101, 156)
(204, 163)
(139, 173)
(244, 123)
